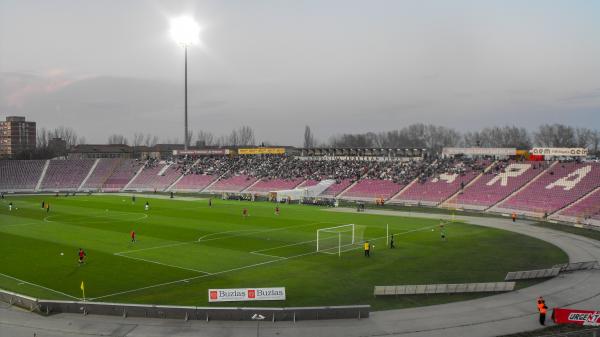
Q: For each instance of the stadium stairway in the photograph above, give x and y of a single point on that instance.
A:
(245, 190)
(88, 175)
(135, 176)
(557, 215)
(181, 176)
(207, 188)
(448, 202)
(392, 201)
(341, 194)
(39, 183)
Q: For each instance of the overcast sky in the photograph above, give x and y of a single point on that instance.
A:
(342, 66)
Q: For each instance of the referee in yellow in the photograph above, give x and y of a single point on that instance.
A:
(367, 247)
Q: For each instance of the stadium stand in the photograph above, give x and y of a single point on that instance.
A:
(66, 174)
(449, 177)
(156, 176)
(233, 184)
(267, 185)
(585, 210)
(564, 191)
(501, 180)
(20, 175)
(557, 187)
(372, 189)
(100, 173)
(194, 182)
(122, 174)
(308, 183)
(337, 188)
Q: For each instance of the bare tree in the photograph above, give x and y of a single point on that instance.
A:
(41, 138)
(437, 137)
(555, 135)
(117, 139)
(150, 140)
(595, 141)
(309, 139)
(583, 137)
(190, 136)
(205, 138)
(66, 133)
(137, 139)
(246, 136)
(507, 136)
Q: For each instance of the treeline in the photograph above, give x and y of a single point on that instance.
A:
(435, 137)
(428, 136)
(242, 136)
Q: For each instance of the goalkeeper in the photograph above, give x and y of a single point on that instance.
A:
(367, 247)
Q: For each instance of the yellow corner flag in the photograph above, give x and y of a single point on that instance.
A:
(83, 290)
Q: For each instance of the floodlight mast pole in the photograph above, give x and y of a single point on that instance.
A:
(185, 133)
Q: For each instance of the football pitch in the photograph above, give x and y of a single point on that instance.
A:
(185, 247)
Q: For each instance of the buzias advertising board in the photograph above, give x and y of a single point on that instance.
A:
(246, 294)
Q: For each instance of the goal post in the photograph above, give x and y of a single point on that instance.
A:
(335, 237)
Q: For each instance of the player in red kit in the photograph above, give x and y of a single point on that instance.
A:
(82, 256)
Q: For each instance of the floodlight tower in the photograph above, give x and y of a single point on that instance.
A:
(186, 32)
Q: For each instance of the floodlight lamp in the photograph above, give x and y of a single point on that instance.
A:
(185, 31)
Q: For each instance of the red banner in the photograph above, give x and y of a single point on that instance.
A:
(574, 316)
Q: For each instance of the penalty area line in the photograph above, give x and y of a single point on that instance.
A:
(40, 286)
(163, 264)
(185, 280)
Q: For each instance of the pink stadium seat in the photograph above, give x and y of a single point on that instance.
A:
(440, 187)
(121, 174)
(337, 188)
(308, 183)
(194, 182)
(372, 188)
(557, 187)
(151, 179)
(498, 183)
(17, 175)
(66, 174)
(233, 184)
(101, 172)
(267, 185)
(586, 207)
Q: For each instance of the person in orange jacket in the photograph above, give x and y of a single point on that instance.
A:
(542, 308)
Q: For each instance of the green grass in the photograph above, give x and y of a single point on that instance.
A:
(586, 232)
(169, 265)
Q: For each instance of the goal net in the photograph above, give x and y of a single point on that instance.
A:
(334, 240)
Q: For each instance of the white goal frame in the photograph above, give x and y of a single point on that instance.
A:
(331, 230)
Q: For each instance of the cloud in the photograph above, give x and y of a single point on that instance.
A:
(17, 88)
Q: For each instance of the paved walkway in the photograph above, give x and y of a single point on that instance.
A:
(490, 316)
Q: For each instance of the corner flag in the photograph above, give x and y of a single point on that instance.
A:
(83, 290)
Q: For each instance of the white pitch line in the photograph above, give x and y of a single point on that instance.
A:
(283, 246)
(155, 247)
(202, 276)
(163, 264)
(253, 231)
(234, 269)
(40, 286)
(275, 256)
(22, 224)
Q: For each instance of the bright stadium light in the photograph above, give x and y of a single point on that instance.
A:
(186, 32)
